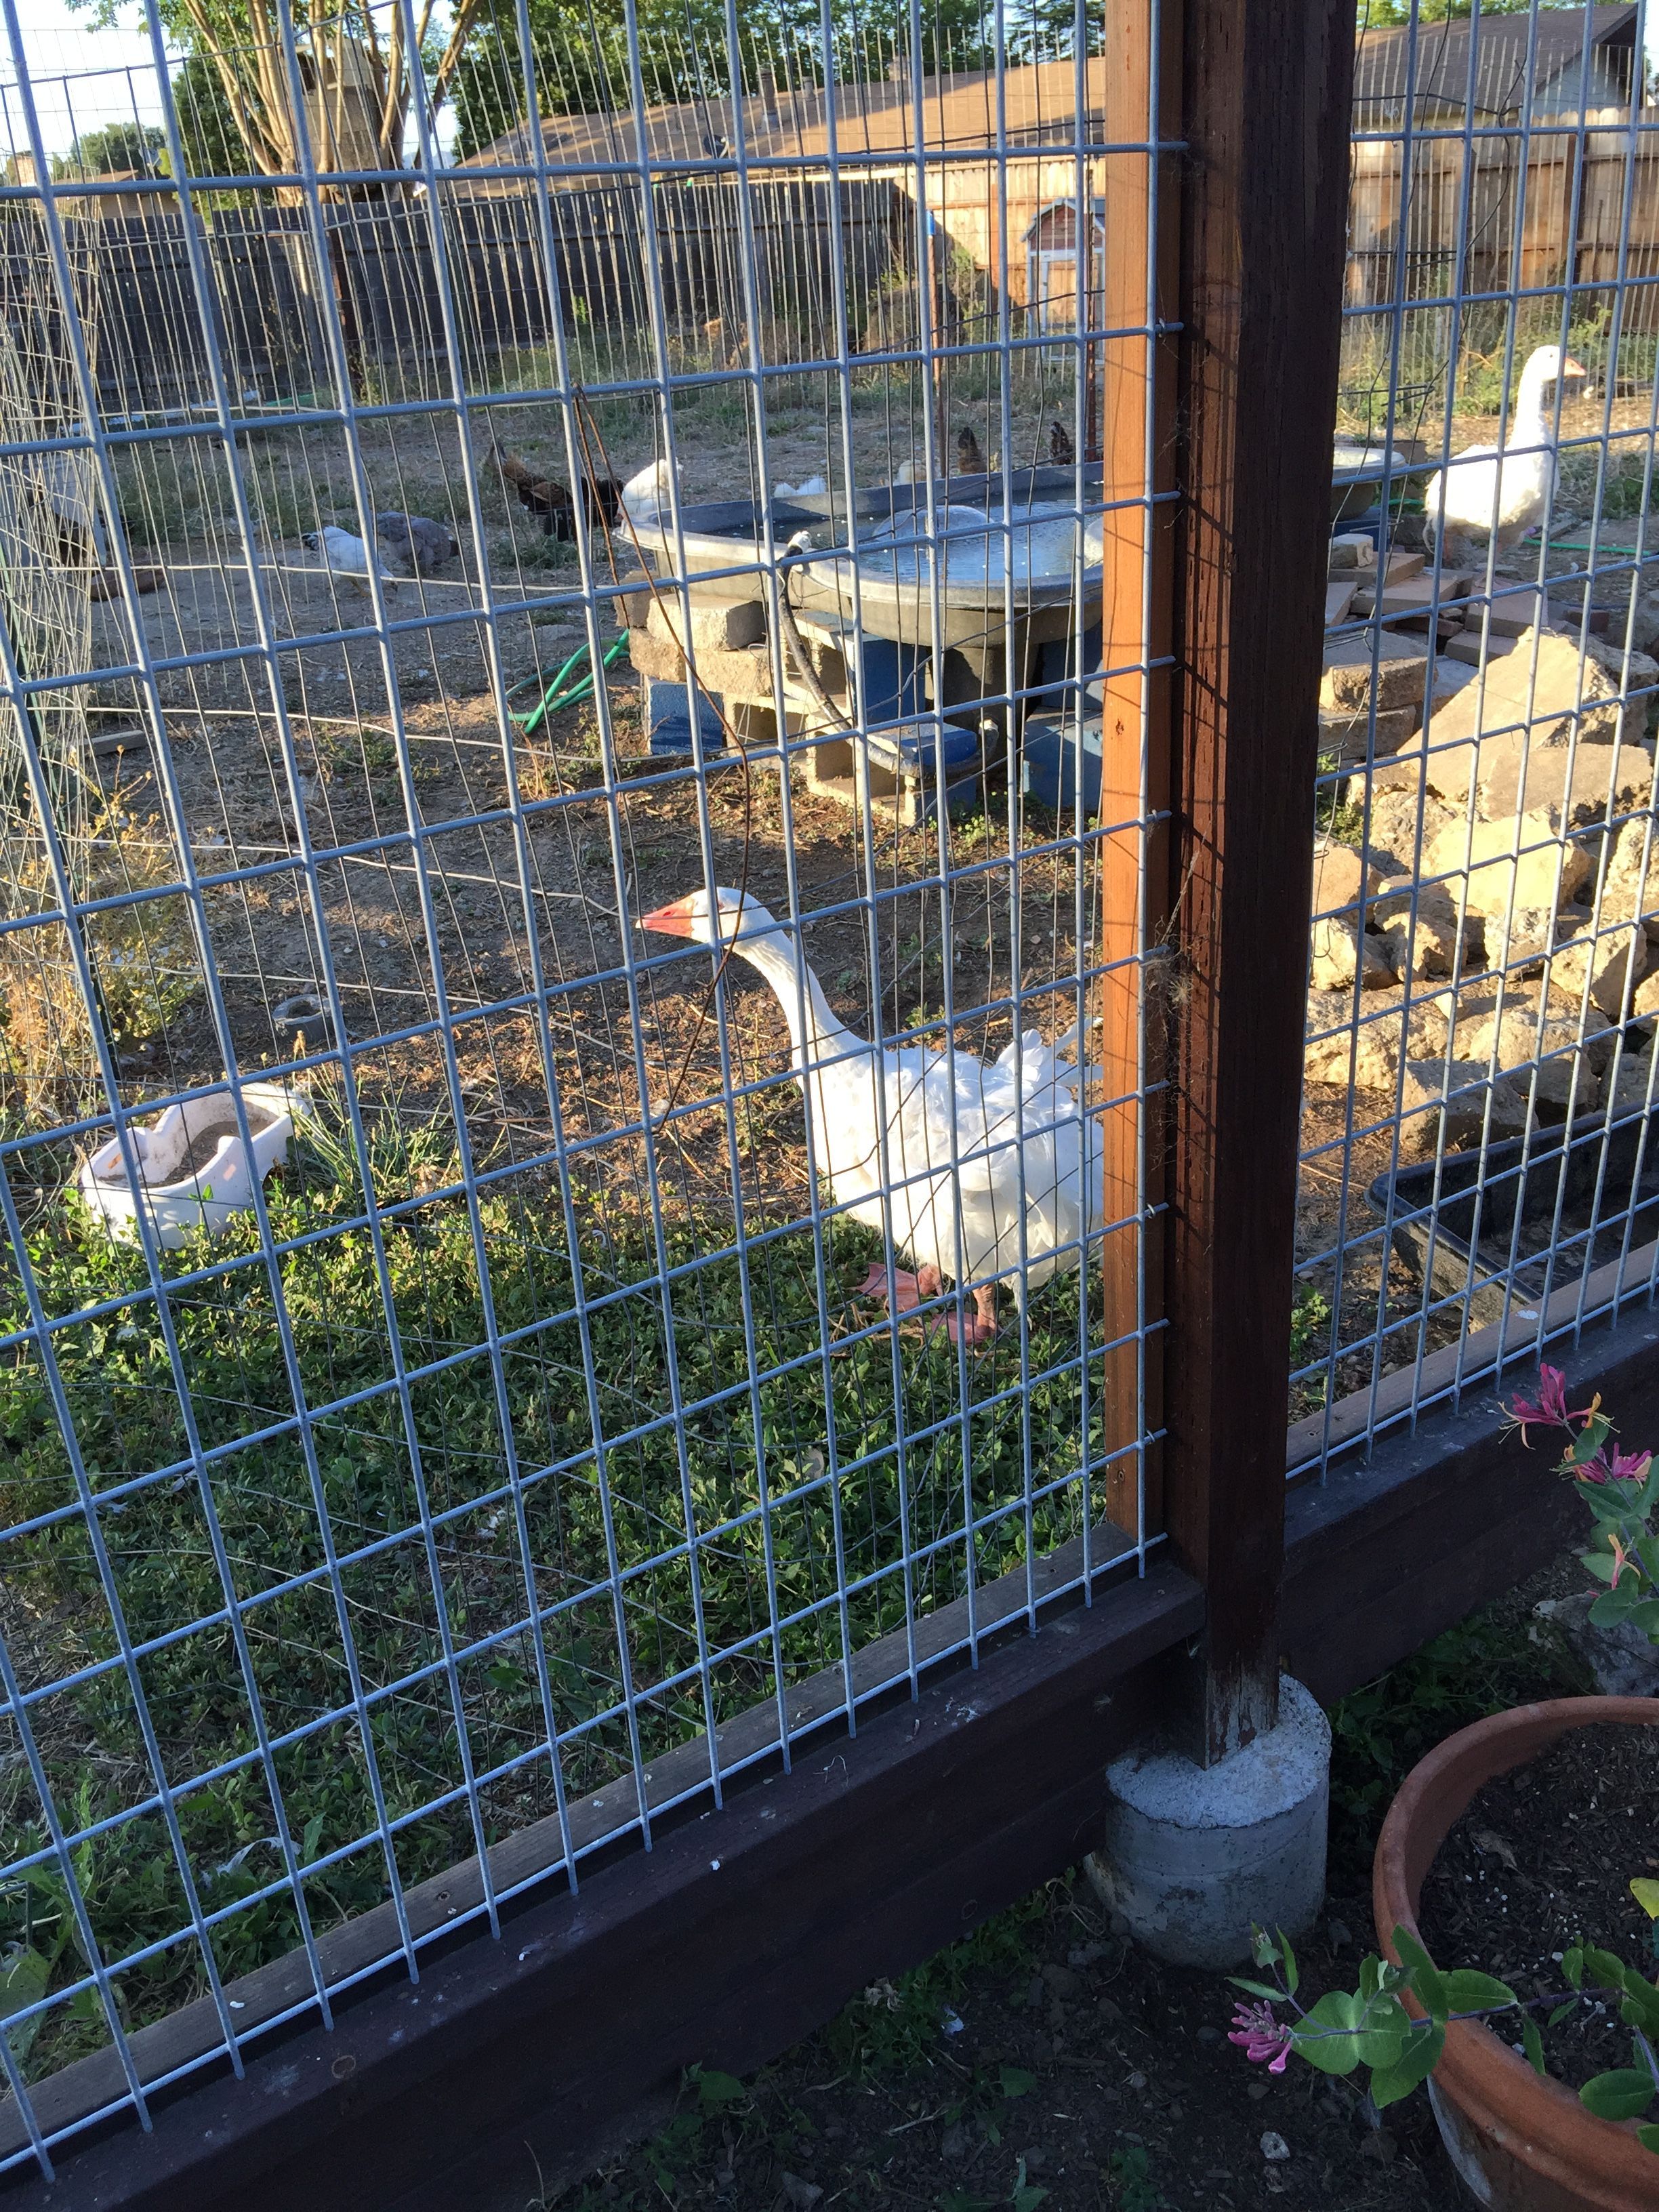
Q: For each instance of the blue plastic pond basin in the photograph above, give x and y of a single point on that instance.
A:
(916, 745)
(668, 716)
(1055, 755)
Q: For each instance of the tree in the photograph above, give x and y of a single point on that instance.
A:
(120, 150)
(348, 51)
(580, 51)
(212, 145)
(1387, 14)
(359, 51)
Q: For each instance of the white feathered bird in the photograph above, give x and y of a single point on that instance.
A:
(645, 495)
(347, 555)
(1505, 490)
(1024, 1147)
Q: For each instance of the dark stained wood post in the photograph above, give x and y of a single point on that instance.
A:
(1265, 101)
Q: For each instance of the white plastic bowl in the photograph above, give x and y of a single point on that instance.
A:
(195, 1168)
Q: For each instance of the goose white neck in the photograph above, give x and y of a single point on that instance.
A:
(1530, 399)
(779, 959)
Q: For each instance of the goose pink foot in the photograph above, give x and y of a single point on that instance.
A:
(906, 1289)
(977, 1327)
(911, 1291)
(982, 1323)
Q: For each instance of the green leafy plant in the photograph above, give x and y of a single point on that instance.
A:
(1336, 815)
(1621, 1489)
(1395, 2024)
(1380, 1731)
(1133, 2187)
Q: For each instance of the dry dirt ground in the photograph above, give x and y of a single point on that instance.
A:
(389, 903)
(422, 926)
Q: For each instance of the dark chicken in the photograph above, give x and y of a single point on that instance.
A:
(970, 454)
(549, 500)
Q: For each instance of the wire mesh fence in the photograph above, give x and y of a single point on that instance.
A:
(1476, 1172)
(476, 1371)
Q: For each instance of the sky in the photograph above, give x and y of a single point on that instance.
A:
(110, 73)
(84, 79)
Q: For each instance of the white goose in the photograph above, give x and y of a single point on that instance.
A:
(1505, 490)
(1015, 1120)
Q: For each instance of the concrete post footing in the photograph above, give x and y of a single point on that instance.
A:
(1194, 1854)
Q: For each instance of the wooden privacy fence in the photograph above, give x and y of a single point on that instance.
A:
(132, 272)
(1448, 208)
(1454, 212)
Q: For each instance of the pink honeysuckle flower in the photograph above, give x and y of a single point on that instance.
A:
(1551, 1410)
(1261, 2035)
(1623, 1466)
(1621, 1559)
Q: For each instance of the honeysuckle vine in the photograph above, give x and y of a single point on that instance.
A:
(1395, 2023)
(1620, 1489)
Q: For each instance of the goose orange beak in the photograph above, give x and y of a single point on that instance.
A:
(1571, 368)
(673, 920)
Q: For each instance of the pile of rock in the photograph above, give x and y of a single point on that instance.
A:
(1388, 672)
(1501, 920)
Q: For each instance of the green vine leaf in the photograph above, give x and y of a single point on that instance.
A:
(1623, 2094)
(1426, 1979)
(1418, 2056)
(1325, 2036)
(1469, 1991)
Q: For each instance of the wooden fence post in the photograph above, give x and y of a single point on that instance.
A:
(1266, 94)
(1132, 390)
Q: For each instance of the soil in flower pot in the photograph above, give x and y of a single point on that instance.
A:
(1541, 1860)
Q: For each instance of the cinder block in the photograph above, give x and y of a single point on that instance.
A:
(742, 675)
(632, 601)
(1349, 680)
(1348, 736)
(717, 625)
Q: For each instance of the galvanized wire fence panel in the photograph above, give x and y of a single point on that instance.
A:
(1476, 1175)
(475, 1370)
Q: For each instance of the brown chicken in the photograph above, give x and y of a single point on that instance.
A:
(970, 454)
(549, 500)
(1061, 452)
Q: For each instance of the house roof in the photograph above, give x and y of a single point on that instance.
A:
(1384, 68)
(957, 109)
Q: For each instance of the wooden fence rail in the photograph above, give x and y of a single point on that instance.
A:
(1504, 214)
(132, 271)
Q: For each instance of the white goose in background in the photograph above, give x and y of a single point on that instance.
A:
(1018, 1119)
(1507, 489)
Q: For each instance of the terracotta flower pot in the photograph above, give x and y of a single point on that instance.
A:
(1522, 2144)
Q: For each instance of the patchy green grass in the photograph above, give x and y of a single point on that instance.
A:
(1310, 1337)
(1336, 814)
(462, 1632)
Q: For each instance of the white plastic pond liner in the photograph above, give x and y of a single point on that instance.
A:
(971, 546)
